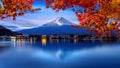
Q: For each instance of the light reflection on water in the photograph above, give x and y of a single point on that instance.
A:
(21, 53)
(44, 41)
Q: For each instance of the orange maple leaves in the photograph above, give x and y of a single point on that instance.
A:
(63, 4)
(15, 8)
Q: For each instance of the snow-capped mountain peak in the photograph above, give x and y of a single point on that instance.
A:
(62, 21)
(59, 21)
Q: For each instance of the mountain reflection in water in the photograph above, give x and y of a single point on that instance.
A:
(57, 53)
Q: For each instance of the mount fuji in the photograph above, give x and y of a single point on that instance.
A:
(59, 21)
(59, 26)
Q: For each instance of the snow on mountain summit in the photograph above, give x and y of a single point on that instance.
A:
(59, 21)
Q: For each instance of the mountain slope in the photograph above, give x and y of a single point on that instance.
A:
(59, 21)
(55, 30)
(4, 31)
(59, 26)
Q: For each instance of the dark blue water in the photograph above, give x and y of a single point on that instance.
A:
(59, 54)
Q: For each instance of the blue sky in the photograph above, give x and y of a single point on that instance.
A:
(38, 18)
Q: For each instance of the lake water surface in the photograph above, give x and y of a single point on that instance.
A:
(59, 54)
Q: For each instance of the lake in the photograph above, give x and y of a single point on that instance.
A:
(57, 53)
